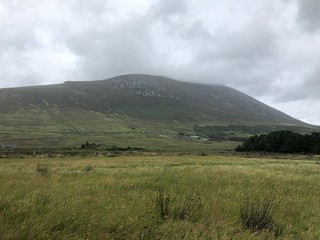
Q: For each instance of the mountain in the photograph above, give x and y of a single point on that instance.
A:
(140, 110)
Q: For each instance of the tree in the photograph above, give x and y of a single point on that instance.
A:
(282, 142)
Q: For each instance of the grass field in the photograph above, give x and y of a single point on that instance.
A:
(157, 197)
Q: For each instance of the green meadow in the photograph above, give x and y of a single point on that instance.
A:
(158, 197)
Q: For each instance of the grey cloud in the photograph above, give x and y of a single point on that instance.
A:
(308, 89)
(17, 40)
(243, 59)
(313, 80)
(196, 30)
(113, 49)
(290, 95)
(25, 43)
(308, 14)
(254, 43)
(131, 46)
(176, 19)
(17, 30)
(311, 86)
(167, 9)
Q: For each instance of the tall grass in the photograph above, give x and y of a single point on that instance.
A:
(178, 207)
(258, 214)
(138, 197)
(42, 169)
(162, 204)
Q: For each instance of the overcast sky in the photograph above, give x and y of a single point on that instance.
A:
(269, 49)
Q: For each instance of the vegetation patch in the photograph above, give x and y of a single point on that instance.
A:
(88, 168)
(283, 142)
(160, 197)
(42, 169)
(177, 207)
(240, 132)
(258, 215)
(113, 148)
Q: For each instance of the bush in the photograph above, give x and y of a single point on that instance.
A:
(87, 168)
(203, 154)
(188, 208)
(42, 169)
(257, 215)
(162, 204)
(179, 207)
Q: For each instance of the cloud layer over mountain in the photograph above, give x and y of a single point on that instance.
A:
(267, 48)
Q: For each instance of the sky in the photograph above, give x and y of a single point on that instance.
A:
(268, 49)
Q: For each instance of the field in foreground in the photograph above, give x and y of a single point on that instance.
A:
(157, 197)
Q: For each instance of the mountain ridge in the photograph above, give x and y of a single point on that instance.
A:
(135, 105)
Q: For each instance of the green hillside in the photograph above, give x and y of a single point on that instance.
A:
(137, 110)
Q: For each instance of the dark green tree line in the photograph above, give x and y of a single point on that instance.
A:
(282, 142)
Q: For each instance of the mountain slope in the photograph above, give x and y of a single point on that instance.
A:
(126, 107)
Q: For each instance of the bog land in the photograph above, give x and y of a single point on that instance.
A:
(160, 197)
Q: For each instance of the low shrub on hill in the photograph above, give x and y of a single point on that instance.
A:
(95, 146)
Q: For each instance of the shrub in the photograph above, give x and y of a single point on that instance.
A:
(203, 154)
(42, 169)
(187, 208)
(257, 215)
(162, 204)
(179, 207)
(87, 168)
